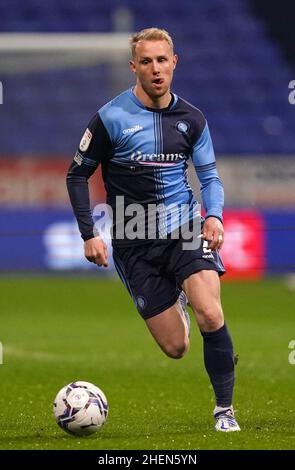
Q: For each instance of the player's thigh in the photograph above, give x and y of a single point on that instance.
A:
(170, 331)
(203, 292)
(152, 291)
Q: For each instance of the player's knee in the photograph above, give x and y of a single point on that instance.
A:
(177, 349)
(210, 317)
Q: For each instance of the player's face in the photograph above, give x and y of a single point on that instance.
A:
(153, 66)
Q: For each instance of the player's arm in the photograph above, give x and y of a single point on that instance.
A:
(94, 147)
(211, 188)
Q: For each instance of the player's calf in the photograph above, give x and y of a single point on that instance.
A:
(170, 331)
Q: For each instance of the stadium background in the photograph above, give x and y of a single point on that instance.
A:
(63, 59)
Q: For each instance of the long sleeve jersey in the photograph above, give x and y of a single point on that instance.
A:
(144, 155)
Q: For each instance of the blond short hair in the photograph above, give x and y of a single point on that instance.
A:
(150, 34)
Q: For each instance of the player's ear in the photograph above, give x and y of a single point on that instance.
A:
(175, 60)
(132, 66)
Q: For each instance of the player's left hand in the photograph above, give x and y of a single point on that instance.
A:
(213, 232)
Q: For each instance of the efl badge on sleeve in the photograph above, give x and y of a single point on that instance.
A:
(85, 141)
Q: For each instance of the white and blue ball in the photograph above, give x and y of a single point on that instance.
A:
(80, 408)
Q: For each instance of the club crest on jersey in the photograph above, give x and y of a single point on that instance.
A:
(85, 141)
(182, 127)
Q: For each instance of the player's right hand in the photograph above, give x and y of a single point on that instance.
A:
(95, 250)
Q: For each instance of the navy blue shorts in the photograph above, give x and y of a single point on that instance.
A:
(154, 272)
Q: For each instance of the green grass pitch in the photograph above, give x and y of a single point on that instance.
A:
(58, 330)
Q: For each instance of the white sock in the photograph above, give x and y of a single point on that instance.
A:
(218, 409)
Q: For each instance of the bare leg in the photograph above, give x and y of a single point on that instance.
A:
(170, 331)
(203, 293)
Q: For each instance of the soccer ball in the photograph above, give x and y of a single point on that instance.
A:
(80, 408)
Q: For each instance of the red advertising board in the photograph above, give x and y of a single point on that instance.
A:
(243, 252)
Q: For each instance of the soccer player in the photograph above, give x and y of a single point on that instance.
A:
(143, 139)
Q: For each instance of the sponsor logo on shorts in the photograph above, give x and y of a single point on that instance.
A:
(207, 250)
(208, 256)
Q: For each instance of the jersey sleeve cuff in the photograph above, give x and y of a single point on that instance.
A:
(94, 234)
(87, 237)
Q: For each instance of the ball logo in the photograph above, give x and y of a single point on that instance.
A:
(182, 127)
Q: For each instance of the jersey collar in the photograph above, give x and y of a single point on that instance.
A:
(174, 99)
